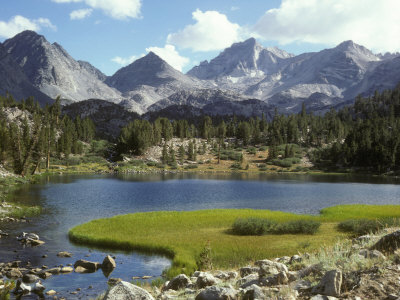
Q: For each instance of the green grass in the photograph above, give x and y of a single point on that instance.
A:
(182, 235)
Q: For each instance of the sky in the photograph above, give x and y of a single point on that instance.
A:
(111, 34)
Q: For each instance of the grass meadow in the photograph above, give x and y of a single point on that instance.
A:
(182, 236)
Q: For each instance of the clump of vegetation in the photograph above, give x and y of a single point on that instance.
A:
(260, 226)
(252, 226)
(365, 226)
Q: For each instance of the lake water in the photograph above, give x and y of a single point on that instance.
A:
(70, 200)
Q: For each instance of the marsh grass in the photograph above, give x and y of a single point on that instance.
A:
(181, 236)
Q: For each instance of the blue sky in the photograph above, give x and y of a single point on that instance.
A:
(112, 33)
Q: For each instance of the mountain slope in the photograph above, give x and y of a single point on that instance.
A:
(51, 69)
(14, 81)
(150, 79)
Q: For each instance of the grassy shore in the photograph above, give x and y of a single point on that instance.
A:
(183, 235)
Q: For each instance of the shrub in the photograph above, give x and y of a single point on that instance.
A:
(259, 226)
(297, 227)
(252, 226)
(365, 226)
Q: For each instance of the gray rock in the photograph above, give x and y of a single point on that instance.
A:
(14, 273)
(217, 293)
(127, 291)
(302, 285)
(371, 254)
(30, 278)
(388, 243)
(54, 271)
(296, 259)
(226, 275)
(88, 265)
(277, 279)
(248, 281)
(323, 297)
(330, 284)
(248, 270)
(64, 254)
(206, 279)
(268, 267)
(66, 270)
(253, 292)
(362, 239)
(178, 282)
(108, 264)
(38, 287)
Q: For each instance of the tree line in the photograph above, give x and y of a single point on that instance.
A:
(39, 134)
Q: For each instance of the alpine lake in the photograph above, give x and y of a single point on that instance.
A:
(70, 200)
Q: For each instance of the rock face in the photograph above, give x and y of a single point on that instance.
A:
(14, 81)
(127, 291)
(52, 70)
(149, 79)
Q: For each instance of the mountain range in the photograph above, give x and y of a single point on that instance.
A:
(245, 78)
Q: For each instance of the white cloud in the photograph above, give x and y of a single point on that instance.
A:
(171, 56)
(374, 24)
(212, 31)
(80, 14)
(18, 24)
(123, 61)
(117, 9)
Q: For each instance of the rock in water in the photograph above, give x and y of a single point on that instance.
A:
(127, 291)
(88, 265)
(108, 264)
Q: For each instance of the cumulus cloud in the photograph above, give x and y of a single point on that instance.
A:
(371, 23)
(171, 56)
(18, 24)
(212, 31)
(80, 14)
(123, 61)
(117, 9)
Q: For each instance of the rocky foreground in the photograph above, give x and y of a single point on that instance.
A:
(368, 267)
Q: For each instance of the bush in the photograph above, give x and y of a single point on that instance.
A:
(259, 226)
(365, 226)
(297, 227)
(252, 226)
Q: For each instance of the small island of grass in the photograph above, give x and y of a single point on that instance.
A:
(183, 236)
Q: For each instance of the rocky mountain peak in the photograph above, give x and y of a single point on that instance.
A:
(51, 69)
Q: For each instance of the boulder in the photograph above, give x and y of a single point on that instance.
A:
(283, 259)
(29, 278)
(36, 242)
(302, 285)
(253, 292)
(295, 259)
(54, 271)
(88, 265)
(127, 291)
(248, 281)
(14, 273)
(248, 270)
(330, 284)
(178, 282)
(268, 267)
(51, 293)
(38, 287)
(67, 270)
(82, 270)
(226, 275)
(217, 293)
(371, 254)
(323, 297)
(206, 279)
(108, 264)
(64, 254)
(388, 243)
